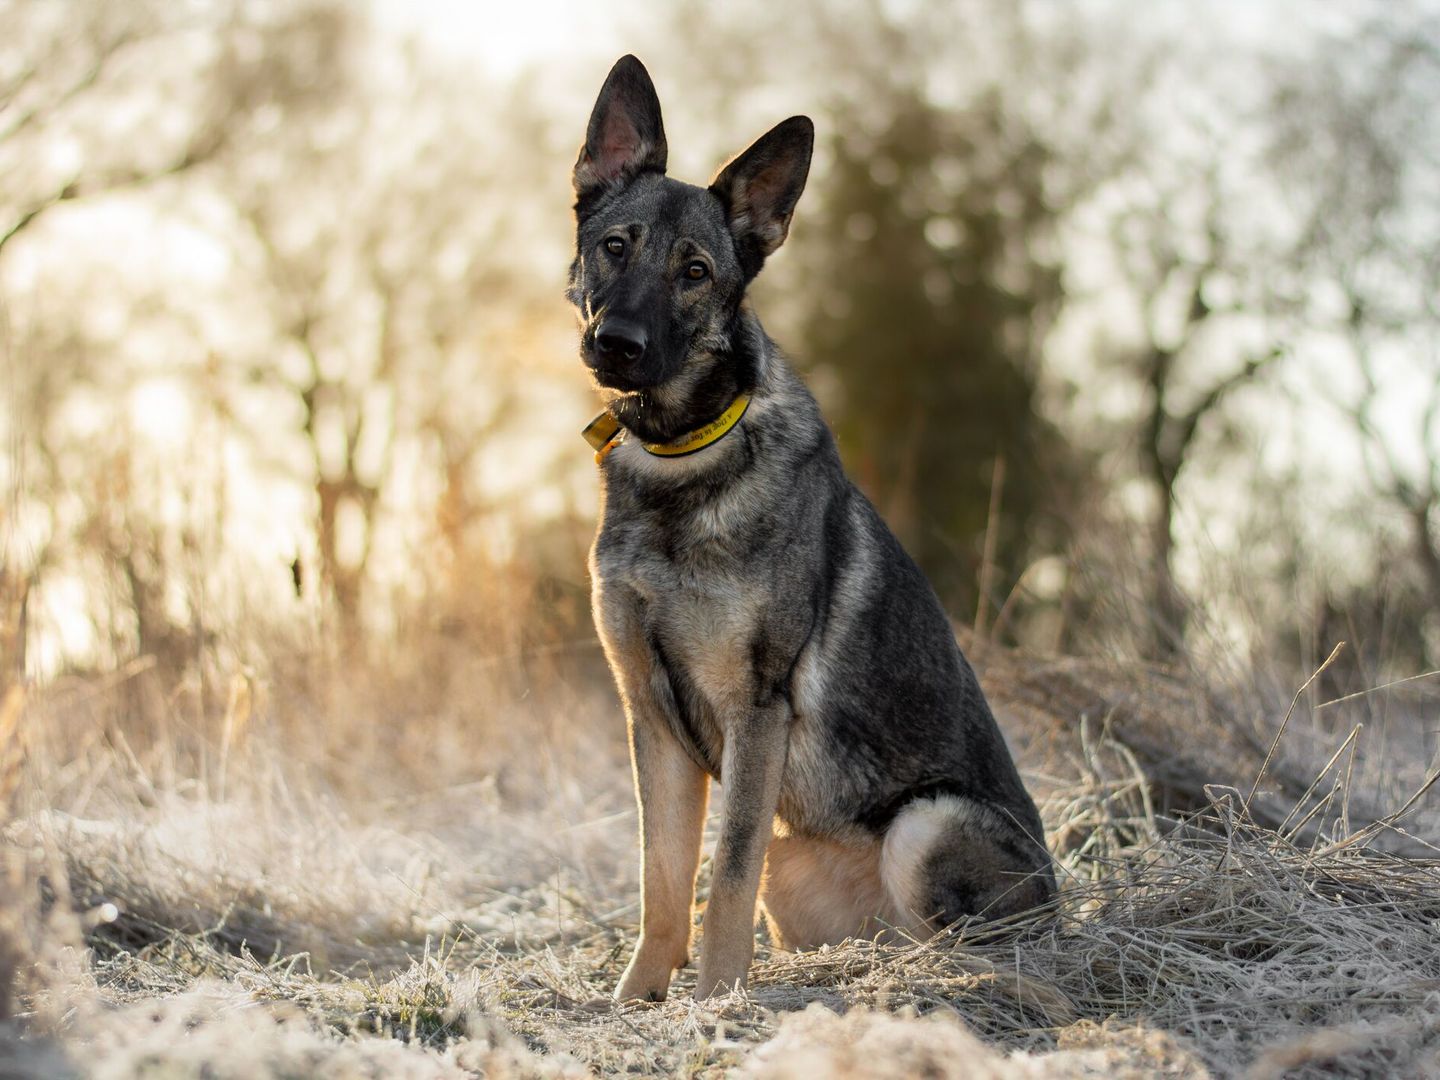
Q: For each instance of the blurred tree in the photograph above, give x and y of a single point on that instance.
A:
(1286, 219)
(963, 210)
(96, 98)
(1354, 141)
(394, 296)
(929, 293)
(1189, 279)
(1183, 268)
(386, 300)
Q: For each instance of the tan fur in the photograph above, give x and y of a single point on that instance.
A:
(716, 644)
(669, 781)
(820, 892)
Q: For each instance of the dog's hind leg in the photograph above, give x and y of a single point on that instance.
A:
(948, 858)
(820, 892)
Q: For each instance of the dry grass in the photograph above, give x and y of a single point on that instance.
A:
(339, 922)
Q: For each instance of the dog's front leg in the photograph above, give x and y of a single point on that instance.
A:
(750, 774)
(672, 792)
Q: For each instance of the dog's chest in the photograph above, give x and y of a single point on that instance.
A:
(705, 621)
(700, 603)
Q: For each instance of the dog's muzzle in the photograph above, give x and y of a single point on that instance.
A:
(619, 342)
(618, 353)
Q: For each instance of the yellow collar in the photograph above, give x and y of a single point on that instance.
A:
(603, 433)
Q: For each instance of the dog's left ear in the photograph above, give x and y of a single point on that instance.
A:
(625, 135)
(761, 187)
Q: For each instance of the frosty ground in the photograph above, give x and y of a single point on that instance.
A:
(220, 903)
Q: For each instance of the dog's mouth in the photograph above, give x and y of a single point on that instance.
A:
(615, 380)
(612, 378)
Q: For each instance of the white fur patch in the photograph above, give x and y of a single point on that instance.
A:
(909, 841)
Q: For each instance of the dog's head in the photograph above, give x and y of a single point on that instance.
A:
(661, 266)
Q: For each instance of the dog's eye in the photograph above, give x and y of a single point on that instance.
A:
(615, 246)
(697, 271)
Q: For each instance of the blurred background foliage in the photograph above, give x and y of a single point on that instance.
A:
(1129, 327)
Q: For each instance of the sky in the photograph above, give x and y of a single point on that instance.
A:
(506, 37)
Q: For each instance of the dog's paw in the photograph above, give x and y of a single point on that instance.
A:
(647, 978)
(716, 983)
(635, 987)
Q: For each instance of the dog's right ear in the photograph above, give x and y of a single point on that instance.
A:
(625, 136)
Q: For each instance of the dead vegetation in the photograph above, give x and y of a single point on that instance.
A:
(295, 927)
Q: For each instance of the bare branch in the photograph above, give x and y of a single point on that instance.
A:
(102, 59)
(27, 217)
(197, 153)
(1217, 393)
(23, 78)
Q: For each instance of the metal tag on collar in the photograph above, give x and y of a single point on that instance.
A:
(601, 431)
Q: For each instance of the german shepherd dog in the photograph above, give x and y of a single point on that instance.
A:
(763, 625)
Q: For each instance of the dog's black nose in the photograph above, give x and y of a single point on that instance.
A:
(620, 339)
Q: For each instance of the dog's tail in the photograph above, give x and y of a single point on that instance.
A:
(947, 858)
